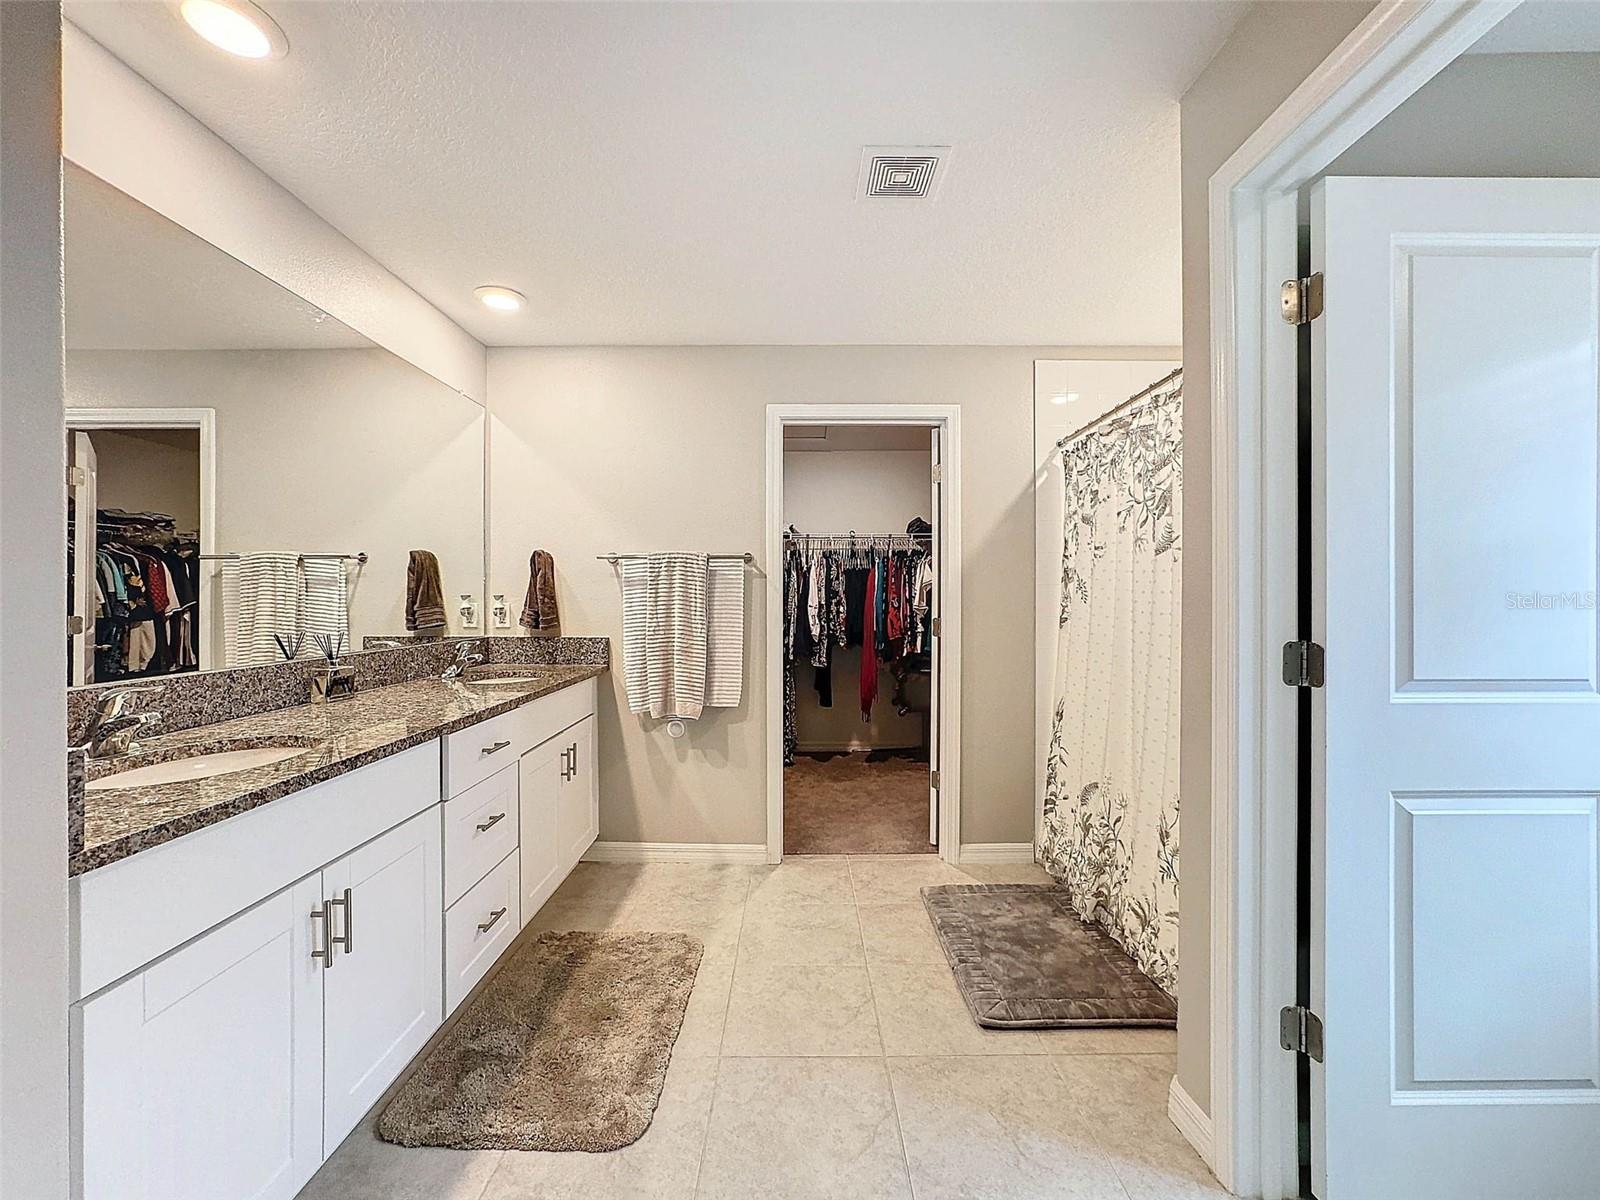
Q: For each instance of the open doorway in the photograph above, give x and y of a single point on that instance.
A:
(139, 524)
(860, 567)
(862, 743)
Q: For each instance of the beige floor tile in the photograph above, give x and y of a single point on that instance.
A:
(661, 1165)
(900, 879)
(581, 913)
(803, 1129)
(996, 1129)
(802, 878)
(800, 933)
(364, 1168)
(1124, 1100)
(713, 885)
(783, 1010)
(703, 1019)
(921, 1013)
(717, 926)
(1109, 1041)
(600, 881)
(899, 932)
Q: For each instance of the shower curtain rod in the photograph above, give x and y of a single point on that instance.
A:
(1122, 407)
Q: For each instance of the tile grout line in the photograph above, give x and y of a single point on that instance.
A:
(1089, 1124)
(716, 1077)
(877, 1021)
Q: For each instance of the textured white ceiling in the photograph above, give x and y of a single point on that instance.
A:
(136, 281)
(684, 173)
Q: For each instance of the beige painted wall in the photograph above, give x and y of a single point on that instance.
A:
(149, 470)
(1515, 115)
(642, 449)
(326, 451)
(869, 491)
(1271, 51)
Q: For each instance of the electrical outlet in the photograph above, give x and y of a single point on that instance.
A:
(501, 611)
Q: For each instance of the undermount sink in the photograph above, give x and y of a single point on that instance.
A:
(175, 766)
(502, 676)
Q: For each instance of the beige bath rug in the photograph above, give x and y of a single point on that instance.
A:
(566, 1049)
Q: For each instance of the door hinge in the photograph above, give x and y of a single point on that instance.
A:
(75, 477)
(75, 625)
(1300, 1031)
(933, 777)
(1302, 299)
(1303, 664)
(936, 627)
(938, 474)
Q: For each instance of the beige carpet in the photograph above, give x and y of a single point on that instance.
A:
(846, 804)
(566, 1049)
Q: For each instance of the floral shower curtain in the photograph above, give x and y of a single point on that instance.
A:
(1110, 830)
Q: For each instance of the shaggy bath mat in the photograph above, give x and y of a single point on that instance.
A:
(1023, 960)
(566, 1049)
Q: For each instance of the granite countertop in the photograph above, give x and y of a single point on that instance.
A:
(109, 825)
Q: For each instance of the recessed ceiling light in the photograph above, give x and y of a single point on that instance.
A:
(236, 26)
(1063, 397)
(501, 299)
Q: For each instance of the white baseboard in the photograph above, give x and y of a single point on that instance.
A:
(979, 853)
(1195, 1125)
(697, 852)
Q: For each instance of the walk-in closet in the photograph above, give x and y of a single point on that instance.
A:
(860, 591)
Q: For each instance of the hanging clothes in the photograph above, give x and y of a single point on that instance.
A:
(869, 639)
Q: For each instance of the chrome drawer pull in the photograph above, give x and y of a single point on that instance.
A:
(326, 953)
(494, 749)
(491, 822)
(494, 917)
(347, 940)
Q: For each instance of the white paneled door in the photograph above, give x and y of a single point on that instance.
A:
(1457, 477)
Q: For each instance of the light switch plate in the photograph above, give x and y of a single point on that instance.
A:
(502, 611)
(469, 612)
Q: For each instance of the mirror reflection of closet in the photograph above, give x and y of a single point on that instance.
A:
(242, 465)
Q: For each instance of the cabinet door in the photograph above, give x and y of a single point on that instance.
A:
(201, 1075)
(382, 987)
(578, 810)
(539, 785)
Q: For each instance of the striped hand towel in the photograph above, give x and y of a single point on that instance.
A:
(635, 631)
(725, 637)
(676, 636)
(326, 601)
(260, 597)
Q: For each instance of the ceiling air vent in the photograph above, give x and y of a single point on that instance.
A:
(902, 172)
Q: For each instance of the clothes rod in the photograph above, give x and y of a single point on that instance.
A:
(360, 557)
(613, 559)
(860, 537)
(1119, 409)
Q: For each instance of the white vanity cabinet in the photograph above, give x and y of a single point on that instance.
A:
(538, 762)
(201, 1075)
(231, 1066)
(381, 928)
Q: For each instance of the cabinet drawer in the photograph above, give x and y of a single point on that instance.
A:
(478, 928)
(480, 829)
(473, 754)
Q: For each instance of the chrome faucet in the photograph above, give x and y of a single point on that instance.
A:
(111, 730)
(466, 657)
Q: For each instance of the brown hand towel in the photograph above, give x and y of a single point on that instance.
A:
(424, 593)
(540, 615)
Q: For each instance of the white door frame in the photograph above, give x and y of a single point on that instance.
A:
(1253, 247)
(947, 418)
(204, 420)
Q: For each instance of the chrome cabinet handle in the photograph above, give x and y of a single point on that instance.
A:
(326, 953)
(494, 918)
(494, 749)
(347, 939)
(491, 822)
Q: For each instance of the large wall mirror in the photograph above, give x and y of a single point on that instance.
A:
(250, 478)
